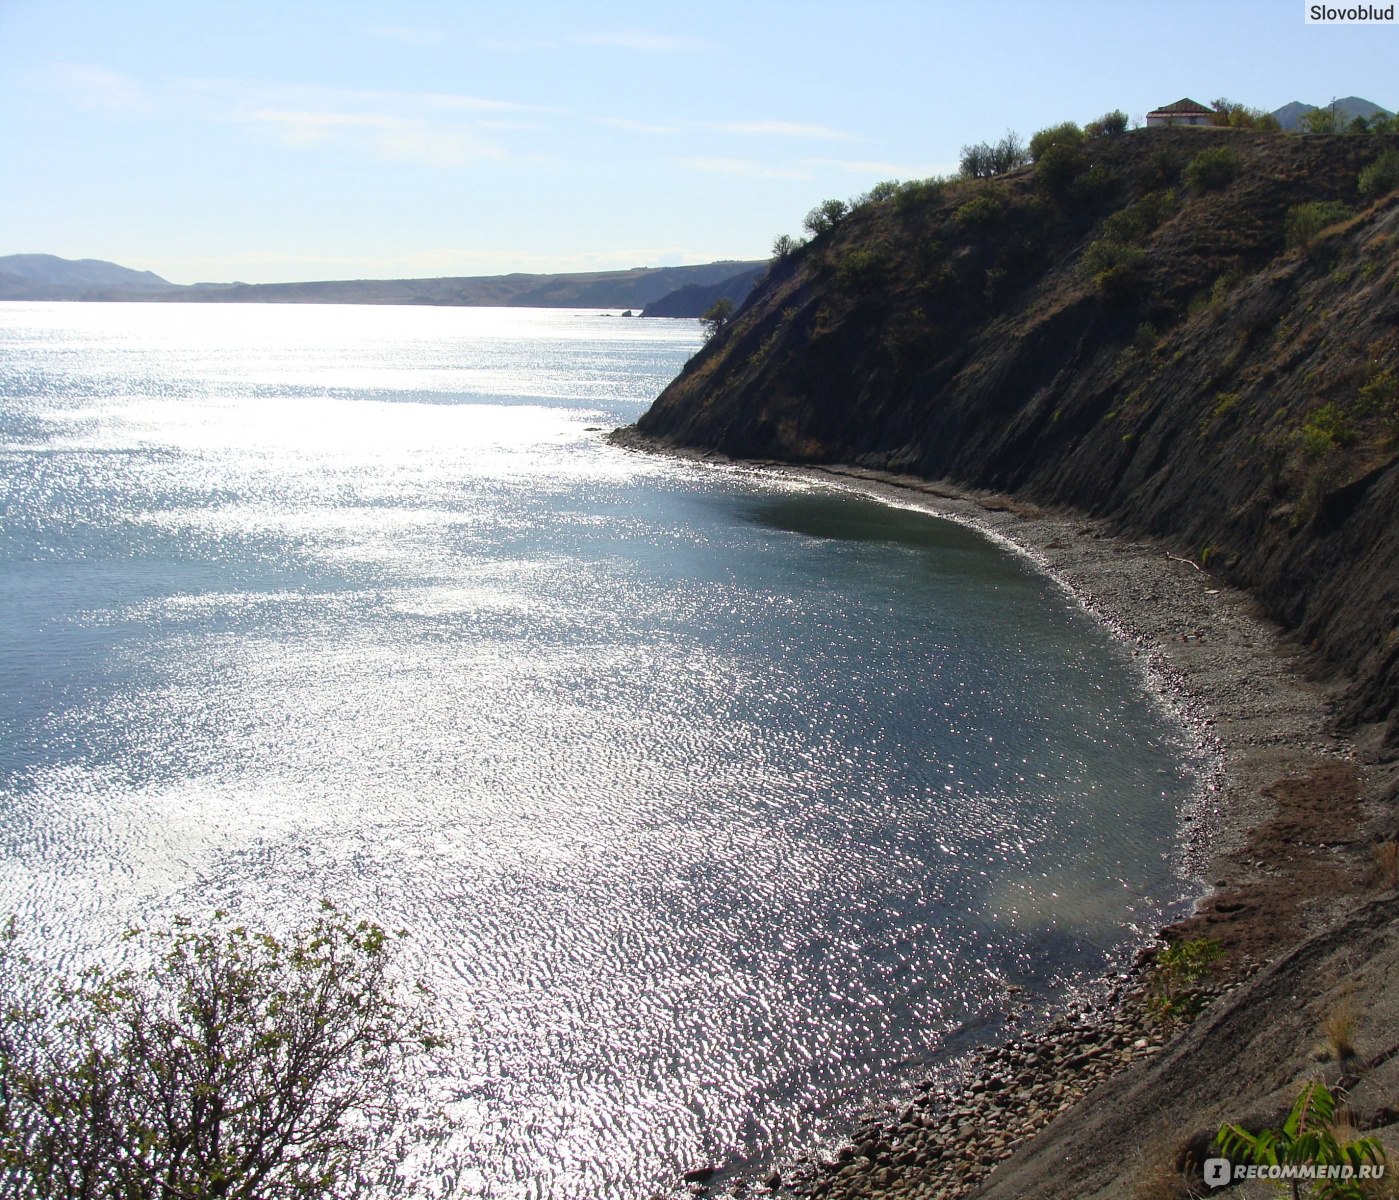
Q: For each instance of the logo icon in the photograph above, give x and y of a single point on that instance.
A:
(1217, 1172)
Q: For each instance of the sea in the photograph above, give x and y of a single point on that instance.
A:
(716, 805)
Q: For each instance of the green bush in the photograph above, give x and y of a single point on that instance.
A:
(825, 216)
(1057, 166)
(716, 316)
(980, 211)
(917, 192)
(1241, 116)
(859, 270)
(1116, 269)
(1306, 221)
(1379, 395)
(1066, 134)
(1313, 1135)
(1324, 430)
(1095, 185)
(1212, 169)
(1181, 969)
(885, 189)
(1381, 177)
(1110, 124)
(1135, 222)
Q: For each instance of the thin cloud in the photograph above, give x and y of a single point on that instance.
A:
(870, 167)
(248, 96)
(302, 128)
(515, 45)
(789, 129)
(409, 37)
(98, 89)
(644, 43)
(455, 101)
(389, 137)
(741, 166)
(635, 126)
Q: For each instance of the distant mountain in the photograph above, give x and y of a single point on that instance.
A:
(44, 277)
(47, 277)
(694, 299)
(1290, 115)
(635, 288)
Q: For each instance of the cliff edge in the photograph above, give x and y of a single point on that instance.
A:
(1208, 357)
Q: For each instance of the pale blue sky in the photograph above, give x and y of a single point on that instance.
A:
(308, 139)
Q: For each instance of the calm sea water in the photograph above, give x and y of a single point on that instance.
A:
(714, 805)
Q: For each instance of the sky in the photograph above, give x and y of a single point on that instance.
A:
(279, 140)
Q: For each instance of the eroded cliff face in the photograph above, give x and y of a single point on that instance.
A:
(1104, 337)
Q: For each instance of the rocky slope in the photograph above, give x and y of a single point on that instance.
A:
(1122, 331)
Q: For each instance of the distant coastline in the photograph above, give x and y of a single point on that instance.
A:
(650, 291)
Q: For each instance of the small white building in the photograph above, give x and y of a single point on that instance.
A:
(1182, 112)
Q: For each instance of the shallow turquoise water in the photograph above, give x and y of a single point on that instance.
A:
(714, 804)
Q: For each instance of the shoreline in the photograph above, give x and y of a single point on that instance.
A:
(1231, 679)
(1241, 685)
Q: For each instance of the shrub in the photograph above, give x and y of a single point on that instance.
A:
(984, 159)
(917, 192)
(1175, 989)
(1094, 186)
(1306, 221)
(885, 189)
(784, 244)
(1240, 116)
(716, 316)
(1311, 1135)
(1381, 177)
(859, 270)
(1058, 166)
(1322, 120)
(980, 211)
(1136, 221)
(1324, 429)
(1213, 168)
(1110, 124)
(825, 216)
(1066, 134)
(1117, 269)
(1339, 1030)
(1379, 395)
(237, 1064)
(1145, 339)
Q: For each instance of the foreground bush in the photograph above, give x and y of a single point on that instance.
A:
(238, 1065)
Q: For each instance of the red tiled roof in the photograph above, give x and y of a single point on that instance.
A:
(1181, 107)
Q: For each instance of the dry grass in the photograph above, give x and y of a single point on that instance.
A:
(1386, 864)
(1339, 1030)
(1159, 1176)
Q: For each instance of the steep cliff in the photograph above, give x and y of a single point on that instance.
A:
(1204, 350)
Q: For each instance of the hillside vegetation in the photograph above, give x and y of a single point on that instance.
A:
(1192, 332)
